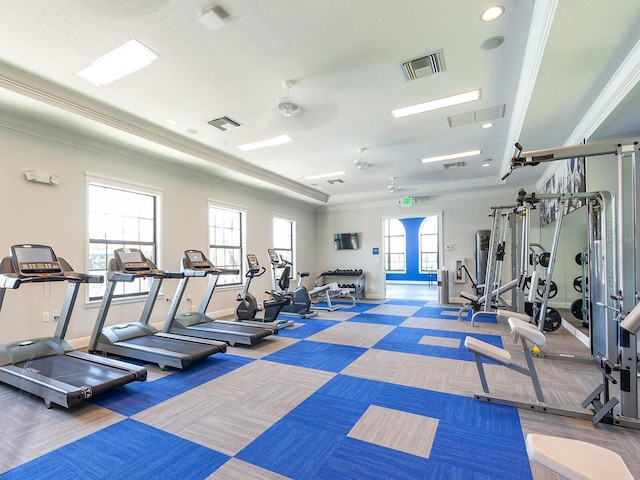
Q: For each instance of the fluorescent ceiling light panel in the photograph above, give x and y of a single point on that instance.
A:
(451, 156)
(436, 104)
(270, 142)
(325, 175)
(118, 63)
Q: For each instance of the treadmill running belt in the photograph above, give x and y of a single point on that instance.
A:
(185, 347)
(74, 371)
(253, 332)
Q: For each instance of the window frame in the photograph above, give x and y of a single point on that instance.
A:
(288, 254)
(143, 285)
(241, 248)
(421, 238)
(387, 244)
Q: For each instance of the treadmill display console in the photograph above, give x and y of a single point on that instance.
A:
(195, 260)
(34, 260)
(131, 260)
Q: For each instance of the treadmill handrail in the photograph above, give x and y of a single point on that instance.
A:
(9, 281)
(118, 276)
(190, 272)
(13, 280)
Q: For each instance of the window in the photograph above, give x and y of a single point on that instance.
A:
(120, 218)
(395, 245)
(284, 237)
(429, 242)
(226, 242)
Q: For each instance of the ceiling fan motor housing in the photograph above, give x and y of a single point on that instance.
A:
(288, 106)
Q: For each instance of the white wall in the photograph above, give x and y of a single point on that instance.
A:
(461, 218)
(55, 215)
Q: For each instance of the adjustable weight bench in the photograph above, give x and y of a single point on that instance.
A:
(529, 336)
(476, 303)
(327, 292)
(576, 460)
(527, 333)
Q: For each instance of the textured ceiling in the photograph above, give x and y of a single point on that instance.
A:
(559, 74)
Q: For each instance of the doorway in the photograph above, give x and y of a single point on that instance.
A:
(412, 256)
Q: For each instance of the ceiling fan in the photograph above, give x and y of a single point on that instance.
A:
(360, 163)
(288, 105)
(302, 107)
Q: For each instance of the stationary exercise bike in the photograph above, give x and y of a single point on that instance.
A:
(247, 306)
(299, 299)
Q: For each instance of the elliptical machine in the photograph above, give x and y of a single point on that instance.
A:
(247, 306)
(299, 299)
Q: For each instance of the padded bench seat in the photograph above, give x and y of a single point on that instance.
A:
(485, 349)
(575, 459)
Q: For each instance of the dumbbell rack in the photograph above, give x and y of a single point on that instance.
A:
(349, 279)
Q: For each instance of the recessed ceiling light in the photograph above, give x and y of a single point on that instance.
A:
(269, 142)
(118, 63)
(325, 175)
(492, 13)
(171, 121)
(435, 104)
(486, 164)
(487, 125)
(451, 156)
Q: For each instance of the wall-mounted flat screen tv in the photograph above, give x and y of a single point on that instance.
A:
(345, 241)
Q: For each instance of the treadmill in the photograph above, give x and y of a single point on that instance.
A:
(50, 367)
(140, 340)
(200, 324)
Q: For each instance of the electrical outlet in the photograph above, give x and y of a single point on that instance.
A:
(45, 317)
(56, 315)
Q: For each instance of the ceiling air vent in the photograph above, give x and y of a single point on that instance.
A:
(224, 123)
(477, 116)
(453, 165)
(423, 66)
(335, 180)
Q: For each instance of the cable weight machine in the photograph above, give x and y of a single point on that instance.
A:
(613, 262)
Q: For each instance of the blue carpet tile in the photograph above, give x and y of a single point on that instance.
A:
(342, 305)
(359, 307)
(407, 340)
(307, 327)
(437, 312)
(138, 396)
(321, 356)
(311, 441)
(128, 450)
(378, 319)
